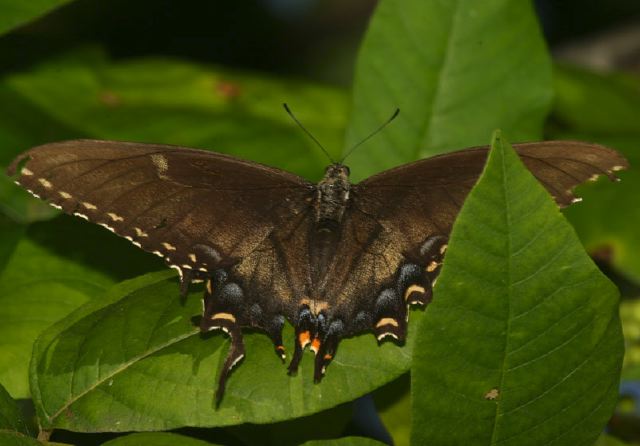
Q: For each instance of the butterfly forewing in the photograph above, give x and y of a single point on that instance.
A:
(424, 197)
(199, 210)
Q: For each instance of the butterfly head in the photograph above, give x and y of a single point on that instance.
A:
(337, 171)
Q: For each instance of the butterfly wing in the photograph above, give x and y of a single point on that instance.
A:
(206, 214)
(400, 220)
(199, 210)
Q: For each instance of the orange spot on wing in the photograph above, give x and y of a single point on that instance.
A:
(315, 345)
(328, 357)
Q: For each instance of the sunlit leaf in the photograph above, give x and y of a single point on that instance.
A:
(522, 344)
(456, 69)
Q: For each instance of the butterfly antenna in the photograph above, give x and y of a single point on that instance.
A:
(374, 133)
(290, 113)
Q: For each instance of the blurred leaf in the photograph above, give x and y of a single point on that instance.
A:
(156, 439)
(630, 316)
(603, 109)
(594, 103)
(167, 101)
(522, 343)
(346, 441)
(133, 360)
(10, 417)
(47, 273)
(175, 102)
(18, 12)
(456, 69)
(17, 439)
(393, 402)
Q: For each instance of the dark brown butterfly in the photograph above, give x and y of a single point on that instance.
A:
(333, 258)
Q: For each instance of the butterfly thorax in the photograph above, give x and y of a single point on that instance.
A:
(332, 196)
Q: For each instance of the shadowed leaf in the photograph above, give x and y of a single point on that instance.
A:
(18, 12)
(156, 439)
(10, 417)
(47, 271)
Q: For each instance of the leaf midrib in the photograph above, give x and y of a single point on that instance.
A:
(425, 134)
(494, 431)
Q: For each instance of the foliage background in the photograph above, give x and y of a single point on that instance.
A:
(212, 75)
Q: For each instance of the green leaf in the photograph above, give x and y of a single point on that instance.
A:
(156, 439)
(346, 441)
(17, 439)
(522, 344)
(18, 12)
(48, 272)
(134, 361)
(10, 417)
(456, 69)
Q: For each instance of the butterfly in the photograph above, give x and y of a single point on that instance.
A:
(335, 259)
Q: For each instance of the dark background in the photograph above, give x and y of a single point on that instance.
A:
(304, 38)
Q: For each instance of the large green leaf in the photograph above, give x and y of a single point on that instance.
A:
(19, 12)
(165, 101)
(133, 360)
(10, 417)
(522, 344)
(47, 272)
(456, 69)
